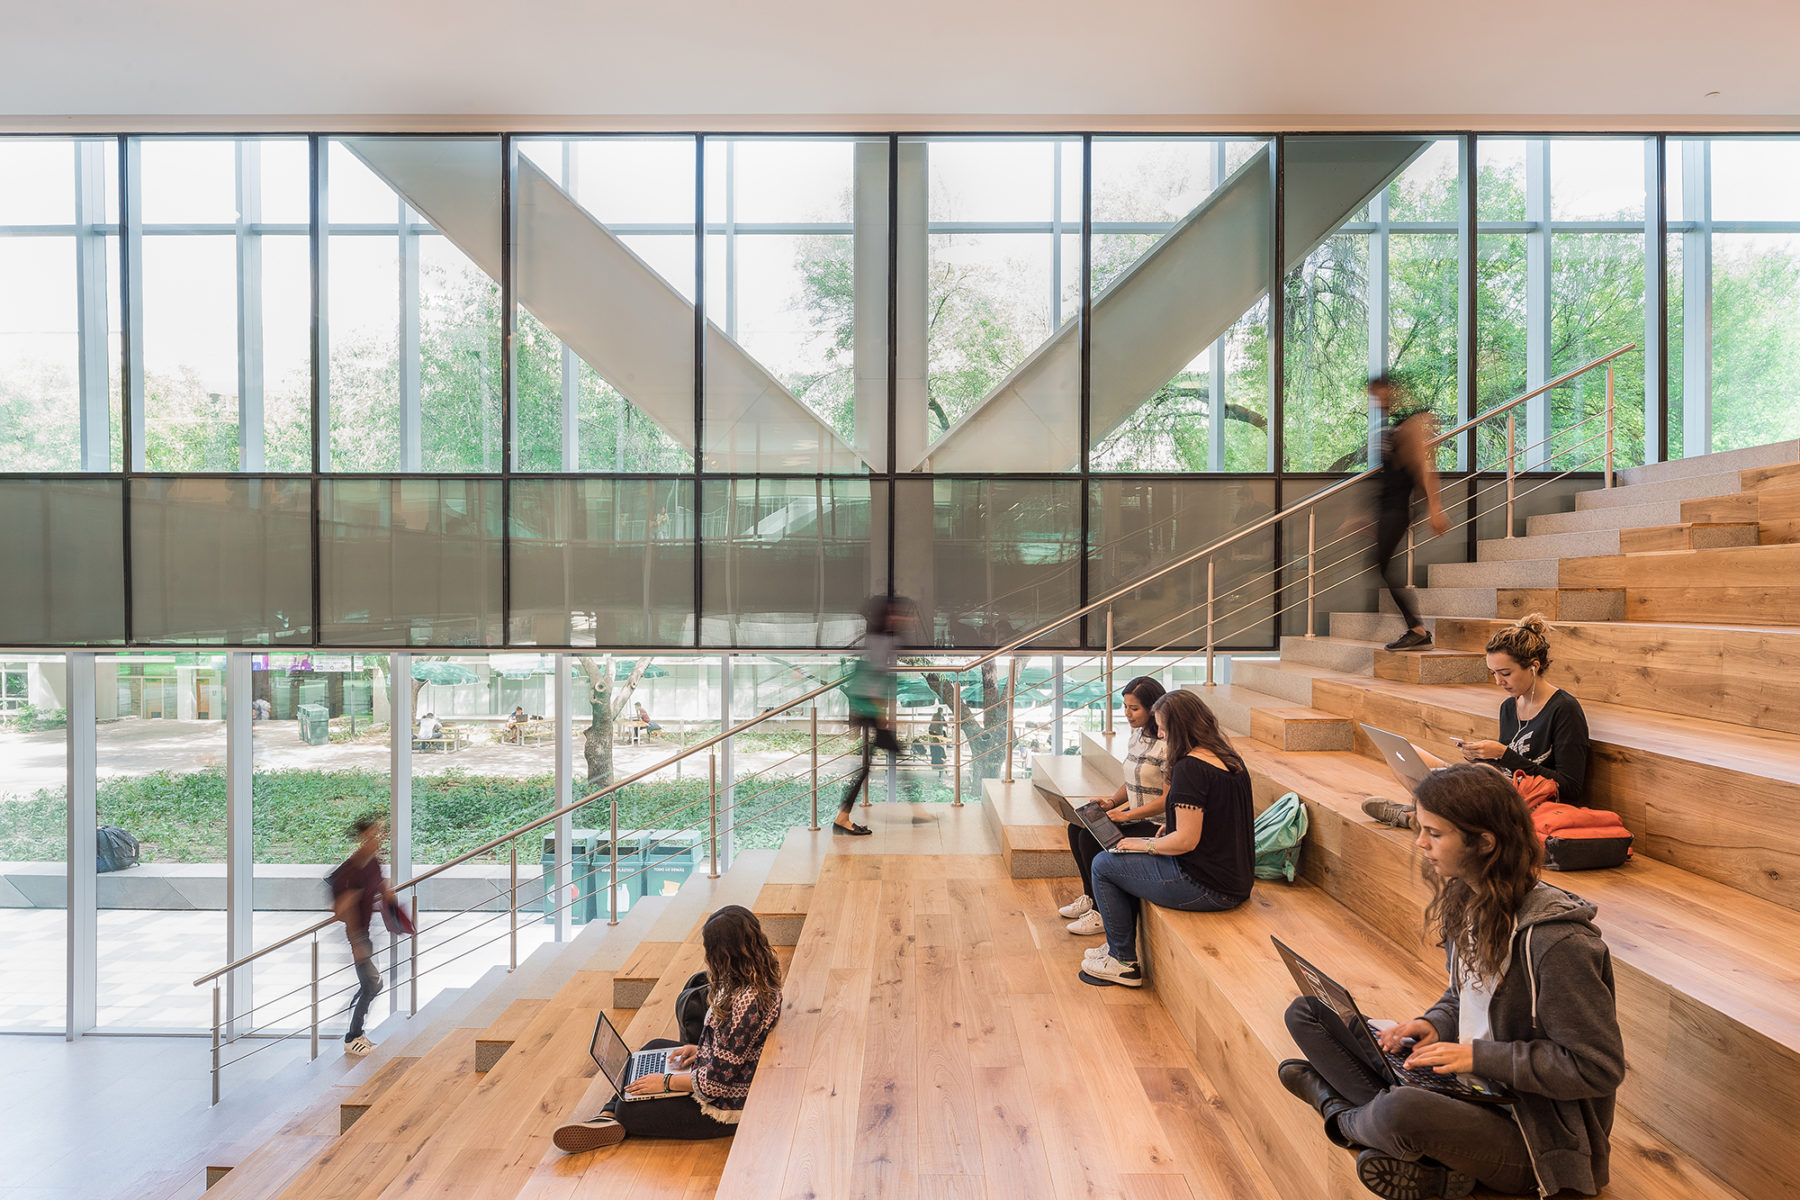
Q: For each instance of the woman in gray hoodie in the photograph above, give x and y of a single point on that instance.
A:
(1530, 1006)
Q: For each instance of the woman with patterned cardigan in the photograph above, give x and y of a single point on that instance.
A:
(703, 1094)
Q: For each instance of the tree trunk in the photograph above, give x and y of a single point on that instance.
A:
(608, 702)
(984, 731)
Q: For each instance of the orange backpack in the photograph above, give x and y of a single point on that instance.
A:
(1574, 839)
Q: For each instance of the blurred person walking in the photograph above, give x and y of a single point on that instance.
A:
(870, 691)
(1406, 467)
(356, 885)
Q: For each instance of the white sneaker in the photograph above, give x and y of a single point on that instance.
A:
(1094, 952)
(1088, 925)
(1080, 906)
(358, 1046)
(1107, 969)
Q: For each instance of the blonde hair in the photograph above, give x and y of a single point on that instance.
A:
(1526, 641)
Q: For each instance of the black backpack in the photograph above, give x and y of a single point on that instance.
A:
(115, 850)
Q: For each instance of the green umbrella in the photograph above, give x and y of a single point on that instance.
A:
(622, 670)
(443, 673)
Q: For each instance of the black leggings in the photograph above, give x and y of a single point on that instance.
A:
(1085, 847)
(676, 1116)
(1390, 532)
(874, 737)
(1409, 1122)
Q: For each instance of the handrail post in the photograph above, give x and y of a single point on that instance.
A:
(215, 1042)
(412, 965)
(1312, 531)
(1609, 424)
(712, 816)
(1012, 687)
(512, 904)
(315, 996)
(956, 740)
(1109, 669)
(1511, 472)
(1209, 622)
(612, 855)
(815, 769)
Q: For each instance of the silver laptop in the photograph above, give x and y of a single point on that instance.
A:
(1403, 758)
(1093, 818)
(621, 1066)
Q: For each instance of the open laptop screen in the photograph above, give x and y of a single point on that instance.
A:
(609, 1051)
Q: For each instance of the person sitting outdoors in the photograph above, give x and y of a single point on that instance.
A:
(1138, 799)
(641, 725)
(703, 1094)
(1529, 1006)
(260, 709)
(1204, 859)
(1543, 731)
(430, 728)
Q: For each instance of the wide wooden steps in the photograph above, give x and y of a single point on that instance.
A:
(1226, 990)
(935, 1042)
(1753, 585)
(1713, 798)
(1705, 973)
(1738, 674)
(1775, 512)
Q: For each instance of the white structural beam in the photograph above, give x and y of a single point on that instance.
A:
(563, 708)
(871, 300)
(132, 248)
(1654, 449)
(610, 307)
(249, 304)
(411, 444)
(82, 817)
(240, 903)
(1696, 298)
(401, 723)
(1158, 316)
(1537, 300)
(93, 304)
(321, 195)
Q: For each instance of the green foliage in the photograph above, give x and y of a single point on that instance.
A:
(28, 718)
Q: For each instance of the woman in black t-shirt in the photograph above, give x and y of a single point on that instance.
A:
(1543, 731)
(1203, 859)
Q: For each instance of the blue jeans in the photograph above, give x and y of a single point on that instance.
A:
(1121, 880)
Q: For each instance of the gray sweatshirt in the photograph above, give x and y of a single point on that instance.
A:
(1555, 1040)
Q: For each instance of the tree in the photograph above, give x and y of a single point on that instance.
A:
(982, 725)
(607, 703)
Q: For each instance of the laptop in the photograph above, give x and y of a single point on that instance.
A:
(1328, 991)
(1403, 758)
(1093, 818)
(620, 1065)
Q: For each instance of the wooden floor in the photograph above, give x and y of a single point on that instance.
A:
(935, 1043)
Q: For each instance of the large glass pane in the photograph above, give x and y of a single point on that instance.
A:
(1180, 271)
(989, 560)
(62, 554)
(1138, 526)
(160, 746)
(221, 560)
(226, 300)
(604, 255)
(797, 302)
(33, 840)
(1756, 336)
(1596, 306)
(413, 262)
(59, 272)
(410, 562)
(1002, 266)
(789, 562)
(602, 562)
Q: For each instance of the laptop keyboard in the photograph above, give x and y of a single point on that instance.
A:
(652, 1062)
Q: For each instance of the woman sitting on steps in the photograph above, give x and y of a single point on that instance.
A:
(1138, 799)
(1543, 731)
(1201, 862)
(1530, 1006)
(711, 1078)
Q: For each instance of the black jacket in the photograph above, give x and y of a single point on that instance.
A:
(1555, 1041)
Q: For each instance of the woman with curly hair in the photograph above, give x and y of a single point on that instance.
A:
(1530, 1006)
(703, 1093)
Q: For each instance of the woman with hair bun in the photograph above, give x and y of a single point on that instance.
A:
(1543, 731)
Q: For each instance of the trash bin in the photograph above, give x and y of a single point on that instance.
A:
(664, 856)
(315, 724)
(586, 878)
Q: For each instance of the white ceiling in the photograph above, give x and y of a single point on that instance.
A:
(787, 63)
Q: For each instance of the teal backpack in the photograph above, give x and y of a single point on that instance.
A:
(1279, 830)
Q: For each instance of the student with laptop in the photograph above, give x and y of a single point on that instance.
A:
(1202, 861)
(1529, 1007)
(1138, 799)
(700, 1091)
(1543, 731)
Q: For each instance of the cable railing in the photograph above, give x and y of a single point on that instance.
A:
(977, 733)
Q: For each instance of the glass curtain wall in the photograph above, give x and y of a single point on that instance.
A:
(34, 839)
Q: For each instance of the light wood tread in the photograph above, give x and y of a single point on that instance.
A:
(1233, 949)
(648, 961)
(386, 1076)
(1736, 954)
(784, 900)
(935, 1042)
(1768, 753)
(1075, 776)
(518, 1015)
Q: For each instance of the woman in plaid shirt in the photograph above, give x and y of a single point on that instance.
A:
(1138, 799)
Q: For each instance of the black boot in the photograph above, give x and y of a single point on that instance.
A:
(1299, 1077)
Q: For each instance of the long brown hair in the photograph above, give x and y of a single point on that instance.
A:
(1478, 917)
(738, 956)
(1187, 724)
